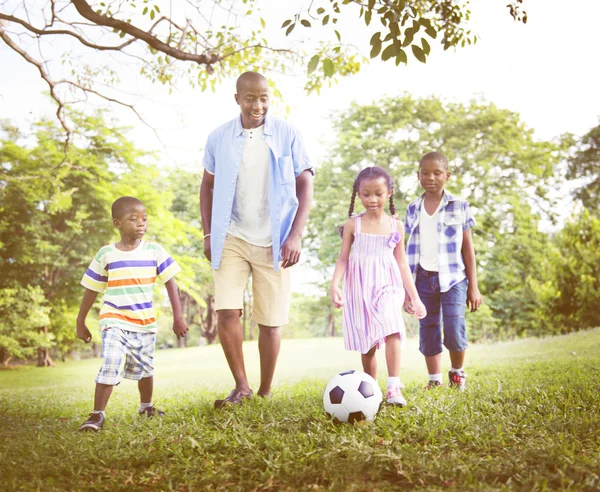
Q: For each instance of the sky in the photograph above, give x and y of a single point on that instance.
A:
(546, 70)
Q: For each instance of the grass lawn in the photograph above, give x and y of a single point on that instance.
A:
(529, 420)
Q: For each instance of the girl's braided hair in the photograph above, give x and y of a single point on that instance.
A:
(373, 172)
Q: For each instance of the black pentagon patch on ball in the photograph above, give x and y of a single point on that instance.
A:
(366, 389)
(355, 417)
(347, 372)
(336, 395)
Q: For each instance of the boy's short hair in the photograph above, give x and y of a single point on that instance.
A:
(434, 156)
(120, 205)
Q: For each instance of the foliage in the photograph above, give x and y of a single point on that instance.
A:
(312, 316)
(584, 167)
(508, 431)
(55, 214)
(23, 313)
(571, 291)
(207, 42)
(496, 164)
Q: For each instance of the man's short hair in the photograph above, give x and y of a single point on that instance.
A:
(122, 204)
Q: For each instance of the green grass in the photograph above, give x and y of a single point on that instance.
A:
(530, 420)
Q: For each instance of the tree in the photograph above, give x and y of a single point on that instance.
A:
(55, 214)
(495, 162)
(584, 166)
(210, 40)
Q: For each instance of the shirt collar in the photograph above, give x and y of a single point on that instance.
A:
(448, 197)
(239, 129)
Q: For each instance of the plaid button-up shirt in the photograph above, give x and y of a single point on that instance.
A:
(454, 218)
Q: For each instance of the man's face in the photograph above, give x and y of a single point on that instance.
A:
(253, 99)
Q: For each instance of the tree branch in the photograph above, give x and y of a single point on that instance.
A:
(102, 20)
(42, 32)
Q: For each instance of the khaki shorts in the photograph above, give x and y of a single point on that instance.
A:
(271, 289)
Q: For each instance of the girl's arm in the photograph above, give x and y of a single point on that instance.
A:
(342, 263)
(407, 279)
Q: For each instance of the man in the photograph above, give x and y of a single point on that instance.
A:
(255, 197)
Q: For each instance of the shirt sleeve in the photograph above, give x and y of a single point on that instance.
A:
(166, 266)
(299, 155)
(209, 157)
(469, 220)
(96, 276)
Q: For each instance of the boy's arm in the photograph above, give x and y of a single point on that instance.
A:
(89, 297)
(180, 327)
(474, 298)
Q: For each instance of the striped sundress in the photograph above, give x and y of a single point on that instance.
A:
(373, 291)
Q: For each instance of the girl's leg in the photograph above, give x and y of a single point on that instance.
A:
(393, 354)
(369, 363)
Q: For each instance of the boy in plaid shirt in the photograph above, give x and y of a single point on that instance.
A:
(126, 273)
(442, 259)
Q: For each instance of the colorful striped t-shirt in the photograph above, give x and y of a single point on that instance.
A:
(127, 279)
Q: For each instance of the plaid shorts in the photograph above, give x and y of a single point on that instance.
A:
(136, 348)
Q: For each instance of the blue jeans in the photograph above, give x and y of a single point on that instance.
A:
(449, 306)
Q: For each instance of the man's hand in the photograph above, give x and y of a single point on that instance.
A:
(207, 251)
(290, 251)
(180, 327)
(474, 298)
(83, 333)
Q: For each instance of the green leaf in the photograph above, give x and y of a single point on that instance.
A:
(145, 11)
(376, 48)
(286, 23)
(320, 10)
(262, 22)
(367, 17)
(325, 20)
(305, 23)
(431, 32)
(388, 52)
(375, 38)
(328, 67)
(312, 64)
(338, 36)
(408, 37)
(152, 14)
(426, 47)
(290, 29)
(418, 52)
(371, 4)
(401, 57)
(157, 9)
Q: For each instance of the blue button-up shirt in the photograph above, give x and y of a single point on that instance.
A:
(454, 218)
(288, 159)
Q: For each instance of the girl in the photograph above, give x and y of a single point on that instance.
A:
(376, 278)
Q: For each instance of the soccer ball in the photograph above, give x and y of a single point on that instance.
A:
(352, 396)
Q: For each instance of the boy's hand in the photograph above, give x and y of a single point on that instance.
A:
(419, 310)
(83, 333)
(474, 298)
(336, 297)
(180, 327)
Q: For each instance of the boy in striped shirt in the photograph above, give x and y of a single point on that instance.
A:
(126, 273)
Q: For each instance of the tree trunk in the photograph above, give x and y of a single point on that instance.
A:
(331, 324)
(44, 359)
(210, 324)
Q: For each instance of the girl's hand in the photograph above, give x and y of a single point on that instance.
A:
(419, 310)
(336, 297)
(408, 307)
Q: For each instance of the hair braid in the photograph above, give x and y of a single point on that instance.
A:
(353, 199)
(392, 206)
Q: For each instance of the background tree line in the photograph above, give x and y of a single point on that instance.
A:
(55, 214)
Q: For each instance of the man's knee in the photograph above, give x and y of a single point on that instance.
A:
(228, 317)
